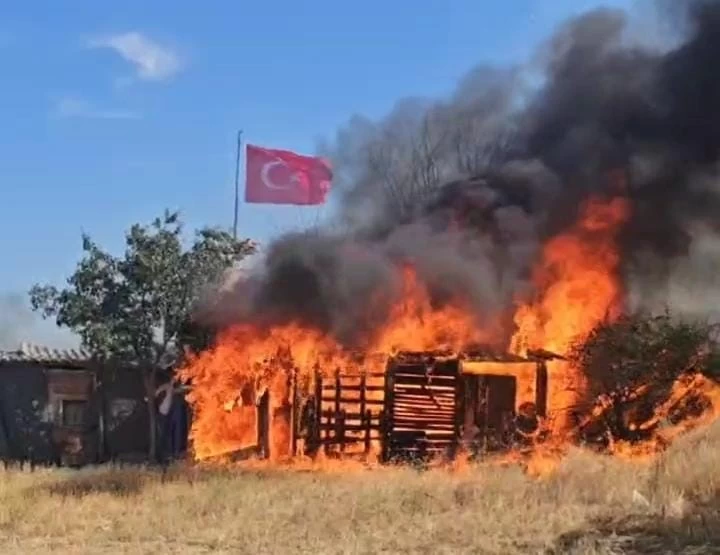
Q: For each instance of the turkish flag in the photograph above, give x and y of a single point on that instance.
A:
(283, 177)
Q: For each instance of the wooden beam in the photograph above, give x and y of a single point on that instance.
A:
(541, 389)
(263, 424)
(294, 415)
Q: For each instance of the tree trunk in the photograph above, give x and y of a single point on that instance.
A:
(149, 380)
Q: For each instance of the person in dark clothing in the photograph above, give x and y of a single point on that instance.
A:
(172, 421)
(177, 425)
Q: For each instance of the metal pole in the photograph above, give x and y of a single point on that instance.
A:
(237, 183)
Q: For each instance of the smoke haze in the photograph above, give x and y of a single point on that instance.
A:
(468, 188)
(18, 324)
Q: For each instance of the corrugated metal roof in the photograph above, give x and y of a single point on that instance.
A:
(39, 354)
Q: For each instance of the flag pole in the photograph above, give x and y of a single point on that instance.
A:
(237, 183)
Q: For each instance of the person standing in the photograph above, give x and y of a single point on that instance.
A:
(171, 419)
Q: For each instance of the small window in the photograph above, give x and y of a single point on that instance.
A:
(73, 413)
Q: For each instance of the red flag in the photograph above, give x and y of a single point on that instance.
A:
(284, 177)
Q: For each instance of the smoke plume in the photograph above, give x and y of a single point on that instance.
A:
(19, 325)
(468, 188)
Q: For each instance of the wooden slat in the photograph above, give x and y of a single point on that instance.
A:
(357, 417)
(421, 369)
(400, 402)
(420, 423)
(442, 404)
(398, 450)
(430, 407)
(358, 435)
(352, 415)
(435, 438)
(426, 409)
(415, 443)
(356, 376)
(420, 385)
(424, 425)
(426, 393)
(399, 425)
(424, 406)
(425, 415)
(348, 440)
(348, 427)
(354, 387)
(348, 400)
(422, 391)
(447, 381)
(421, 444)
(429, 413)
(432, 376)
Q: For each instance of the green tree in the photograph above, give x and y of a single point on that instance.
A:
(137, 307)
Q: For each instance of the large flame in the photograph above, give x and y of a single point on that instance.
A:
(576, 283)
(229, 379)
(577, 280)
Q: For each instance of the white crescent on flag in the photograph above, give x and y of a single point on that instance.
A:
(268, 182)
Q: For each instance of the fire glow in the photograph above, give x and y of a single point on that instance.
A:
(576, 284)
(460, 355)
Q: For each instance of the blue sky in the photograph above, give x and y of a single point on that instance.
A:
(113, 111)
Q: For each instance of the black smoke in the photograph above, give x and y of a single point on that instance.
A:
(468, 188)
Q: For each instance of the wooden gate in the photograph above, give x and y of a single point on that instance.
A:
(345, 415)
(422, 399)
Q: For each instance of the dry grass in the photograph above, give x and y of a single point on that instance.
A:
(587, 506)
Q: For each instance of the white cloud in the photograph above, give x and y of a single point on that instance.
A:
(152, 61)
(73, 107)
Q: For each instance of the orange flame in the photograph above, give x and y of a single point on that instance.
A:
(578, 284)
(229, 379)
(577, 279)
(416, 325)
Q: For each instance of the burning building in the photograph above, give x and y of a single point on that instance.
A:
(499, 228)
(423, 404)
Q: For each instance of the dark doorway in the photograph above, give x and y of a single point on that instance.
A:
(489, 411)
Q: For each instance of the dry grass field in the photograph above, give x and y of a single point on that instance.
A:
(590, 505)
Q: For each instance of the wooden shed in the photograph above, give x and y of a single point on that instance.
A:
(63, 407)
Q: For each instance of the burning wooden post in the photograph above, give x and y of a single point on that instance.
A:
(295, 413)
(367, 424)
(541, 389)
(263, 425)
(387, 414)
